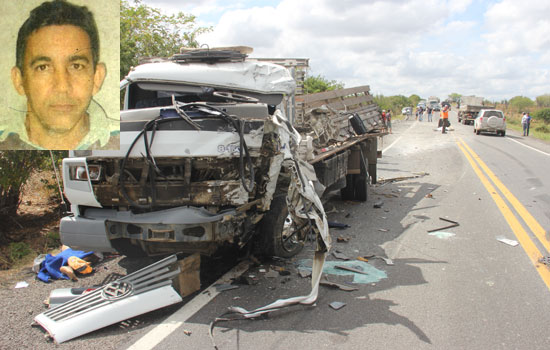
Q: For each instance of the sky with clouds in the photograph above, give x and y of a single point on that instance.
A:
(495, 49)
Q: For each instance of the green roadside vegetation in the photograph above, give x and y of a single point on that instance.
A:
(539, 109)
(540, 124)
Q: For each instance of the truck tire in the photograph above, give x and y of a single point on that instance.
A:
(348, 193)
(361, 187)
(275, 229)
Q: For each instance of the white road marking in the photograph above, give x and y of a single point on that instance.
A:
(524, 145)
(163, 330)
(399, 138)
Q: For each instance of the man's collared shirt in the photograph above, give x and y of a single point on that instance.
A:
(103, 134)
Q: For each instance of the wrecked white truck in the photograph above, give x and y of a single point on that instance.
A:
(209, 159)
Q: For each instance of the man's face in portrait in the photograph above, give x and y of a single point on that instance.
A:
(58, 76)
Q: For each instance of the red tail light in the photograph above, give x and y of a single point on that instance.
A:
(504, 119)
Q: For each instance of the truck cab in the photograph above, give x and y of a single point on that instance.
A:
(205, 152)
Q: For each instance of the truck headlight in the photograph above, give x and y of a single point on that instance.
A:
(79, 173)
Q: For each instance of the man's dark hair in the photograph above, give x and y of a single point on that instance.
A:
(57, 12)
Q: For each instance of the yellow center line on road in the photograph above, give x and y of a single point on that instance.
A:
(528, 246)
(520, 209)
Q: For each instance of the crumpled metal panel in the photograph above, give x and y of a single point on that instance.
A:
(304, 204)
(261, 77)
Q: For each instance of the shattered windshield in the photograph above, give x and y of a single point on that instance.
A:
(148, 95)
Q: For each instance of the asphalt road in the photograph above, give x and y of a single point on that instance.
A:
(459, 288)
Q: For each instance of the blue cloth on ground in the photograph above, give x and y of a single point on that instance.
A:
(51, 264)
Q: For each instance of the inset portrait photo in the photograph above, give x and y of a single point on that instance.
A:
(59, 75)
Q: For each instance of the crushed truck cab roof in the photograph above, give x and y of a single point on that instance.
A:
(255, 76)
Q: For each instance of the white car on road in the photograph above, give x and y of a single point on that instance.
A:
(490, 120)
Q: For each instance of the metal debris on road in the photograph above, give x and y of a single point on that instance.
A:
(349, 268)
(442, 234)
(339, 255)
(346, 288)
(383, 181)
(225, 286)
(454, 224)
(333, 224)
(511, 242)
(304, 273)
(383, 230)
(337, 305)
(545, 260)
(429, 195)
(378, 204)
(341, 239)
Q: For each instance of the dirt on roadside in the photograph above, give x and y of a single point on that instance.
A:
(36, 225)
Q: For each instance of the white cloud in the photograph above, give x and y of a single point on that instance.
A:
(432, 47)
(516, 27)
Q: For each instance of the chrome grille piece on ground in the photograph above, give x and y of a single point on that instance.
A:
(143, 291)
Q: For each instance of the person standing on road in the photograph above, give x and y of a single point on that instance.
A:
(388, 120)
(528, 122)
(384, 118)
(524, 124)
(445, 117)
(429, 110)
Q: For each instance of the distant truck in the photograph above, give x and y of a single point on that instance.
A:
(469, 108)
(433, 102)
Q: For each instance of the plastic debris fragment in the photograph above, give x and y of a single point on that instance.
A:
(337, 305)
(511, 242)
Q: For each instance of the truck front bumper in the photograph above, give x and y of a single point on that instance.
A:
(97, 227)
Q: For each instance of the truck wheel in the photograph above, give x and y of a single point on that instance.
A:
(348, 193)
(276, 231)
(503, 133)
(478, 131)
(361, 188)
